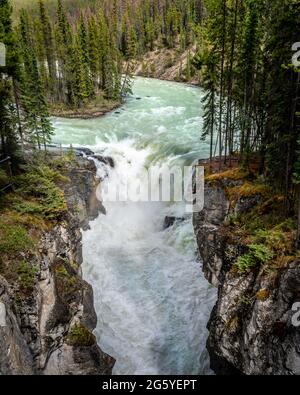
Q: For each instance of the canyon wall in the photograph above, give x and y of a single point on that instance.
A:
(50, 331)
(250, 329)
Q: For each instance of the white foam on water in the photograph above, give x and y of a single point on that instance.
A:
(168, 111)
(151, 298)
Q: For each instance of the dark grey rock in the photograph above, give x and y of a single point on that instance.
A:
(15, 355)
(34, 338)
(247, 335)
(107, 160)
(170, 221)
(85, 151)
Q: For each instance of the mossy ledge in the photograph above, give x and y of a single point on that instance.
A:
(80, 336)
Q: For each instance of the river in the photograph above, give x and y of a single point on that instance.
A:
(151, 298)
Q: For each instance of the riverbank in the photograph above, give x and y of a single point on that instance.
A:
(47, 309)
(160, 64)
(95, 109)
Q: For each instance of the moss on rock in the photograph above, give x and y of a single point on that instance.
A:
(80, 336)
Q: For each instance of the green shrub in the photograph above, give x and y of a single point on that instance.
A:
(245, 263)
(14, 238)
(258, 254)
(28, 221)
(278, 240)
(70, 155)
(63, 163)
(80, 336)
(27, 275)
(67, 283)
(38, 193)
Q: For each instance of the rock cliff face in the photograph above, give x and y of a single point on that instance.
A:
(250, 329)
(49, 332)
(167, 64)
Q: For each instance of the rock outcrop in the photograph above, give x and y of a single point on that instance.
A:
(167, 64)
(15, 356)
(50, 331)
(250, 329)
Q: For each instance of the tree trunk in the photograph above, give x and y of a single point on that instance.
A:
(229, 98)
(222, 84)
(16, 96)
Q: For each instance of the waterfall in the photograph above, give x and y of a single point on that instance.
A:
(151, 298)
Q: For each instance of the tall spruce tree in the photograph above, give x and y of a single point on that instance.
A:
(49, 51)
(64, 43)
(33, 96)
(9, 75)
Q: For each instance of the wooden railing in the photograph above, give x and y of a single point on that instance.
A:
(57, 147)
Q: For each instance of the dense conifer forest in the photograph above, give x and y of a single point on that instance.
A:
(71, 53)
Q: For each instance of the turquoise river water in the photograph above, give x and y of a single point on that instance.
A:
(151, 298)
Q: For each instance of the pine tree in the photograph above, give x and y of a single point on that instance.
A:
(210, 102)
(8, 84)
(64, 44)
(189, 67)
(223, 32)
(281, 132)
(131, 53)
(248, 69)
(229, 130)
(33, 97)
(84, 55)
(50, 55)
(94, 56)
(80, 84)
(103, 51)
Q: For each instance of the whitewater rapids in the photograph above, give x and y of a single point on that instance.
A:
(151, 298)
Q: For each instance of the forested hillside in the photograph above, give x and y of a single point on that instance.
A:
(71, 6)
(252, 88)
(68, 55)
(72, 53)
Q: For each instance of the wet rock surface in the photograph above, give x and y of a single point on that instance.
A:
(170, 221)
(250, 329)
(105, 159)
(34, 333)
